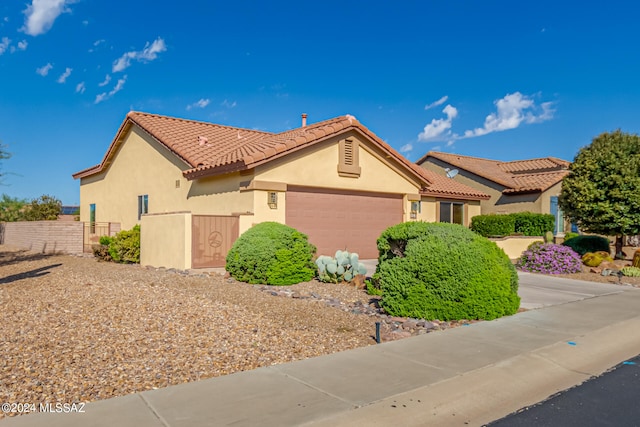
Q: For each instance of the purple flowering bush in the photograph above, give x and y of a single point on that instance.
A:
(549, 258)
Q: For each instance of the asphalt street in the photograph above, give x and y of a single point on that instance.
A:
(608, 400)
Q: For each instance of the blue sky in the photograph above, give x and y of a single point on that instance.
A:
(497, 79)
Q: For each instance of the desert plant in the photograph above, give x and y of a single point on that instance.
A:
(444, 271)
(101, 252)
(583, 244)
(591, 259)
(341, 268)
(272, 253)
(125, 246)
(630, 271)
(548, 237)
(550, 258)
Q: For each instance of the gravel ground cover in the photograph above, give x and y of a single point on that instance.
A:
(77, 330)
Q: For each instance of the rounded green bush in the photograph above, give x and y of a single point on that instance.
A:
(444, 271)
(125, 246)
(584, 244)
(272, 253)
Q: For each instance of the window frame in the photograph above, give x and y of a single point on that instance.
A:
(451, 213)
(143, 205)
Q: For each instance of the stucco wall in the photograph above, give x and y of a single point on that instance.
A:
(514, 246)
(142, 166)
(317, 167)
(165, 240)
(44, 236)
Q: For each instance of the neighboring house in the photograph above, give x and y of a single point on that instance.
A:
(334, 180)
(68, 213)
(516, 186)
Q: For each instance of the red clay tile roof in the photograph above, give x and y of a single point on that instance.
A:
(210, 149)
(518, 176)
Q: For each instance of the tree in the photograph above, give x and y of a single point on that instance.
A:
(11, 208)
(4, 154)
(602, 191)
(44, 208)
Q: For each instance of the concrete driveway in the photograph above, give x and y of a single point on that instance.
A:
(538, 290)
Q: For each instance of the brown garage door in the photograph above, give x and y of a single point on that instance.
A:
(342, 220)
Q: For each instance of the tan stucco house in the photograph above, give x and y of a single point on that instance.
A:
(196, 186)
(531, 185)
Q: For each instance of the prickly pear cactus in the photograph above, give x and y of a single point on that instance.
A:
(341, 268)
(548, 237)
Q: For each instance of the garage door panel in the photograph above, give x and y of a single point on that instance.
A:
(342, 220)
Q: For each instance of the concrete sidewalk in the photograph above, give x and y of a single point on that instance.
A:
(464, 376)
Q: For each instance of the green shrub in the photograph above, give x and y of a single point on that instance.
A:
(570, 235)
(584, 244)
(444, 271)
(125, 246)
(272, 253)
(493, 225)
(524, 223)
(106, 240)
(630, 271)
(373, 287)
(533, 224)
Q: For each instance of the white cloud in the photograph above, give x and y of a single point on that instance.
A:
(117, 88)
(149, 53)
(22, 45)
(406, 148)
(106, 81)
(96, 44)
(512, 111)
(439, 129)
(228, 104)
(4, 44)
(41, 15)
(200, 104)
(44, 70)
(436, 103)
(63, 76)
(100, 98)
(80, 87)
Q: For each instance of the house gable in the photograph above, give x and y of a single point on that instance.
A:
(319, 166)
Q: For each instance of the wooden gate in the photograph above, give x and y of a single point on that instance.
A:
(212, 237)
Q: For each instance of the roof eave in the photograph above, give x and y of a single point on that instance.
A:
(454, 196)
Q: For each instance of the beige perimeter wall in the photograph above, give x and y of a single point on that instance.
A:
(44, 236)
(165, 240)
(514, 246)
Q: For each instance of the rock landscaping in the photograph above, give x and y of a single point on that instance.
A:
(77, 330)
